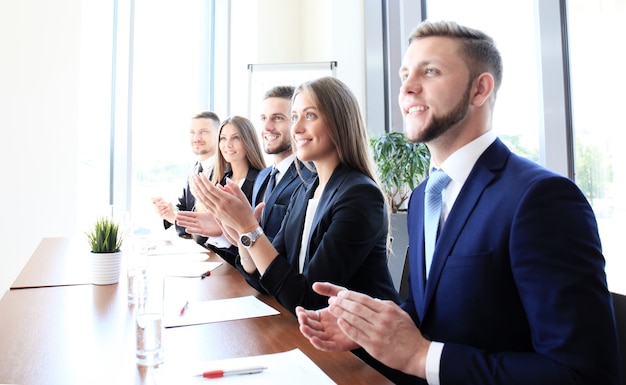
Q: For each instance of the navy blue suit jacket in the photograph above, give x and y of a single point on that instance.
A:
(276, 204)
(517, 289)
(348, 243)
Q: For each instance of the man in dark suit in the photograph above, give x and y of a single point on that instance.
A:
(516, 291)
(275, 191)
(203, 135)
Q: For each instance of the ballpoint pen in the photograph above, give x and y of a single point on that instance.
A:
(206, 274)
(184, 308)
(228, 372)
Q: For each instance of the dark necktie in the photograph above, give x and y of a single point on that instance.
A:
(199, 171)
(437, 181)
(271, 183)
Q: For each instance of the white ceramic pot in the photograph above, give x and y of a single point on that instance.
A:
(105, 268)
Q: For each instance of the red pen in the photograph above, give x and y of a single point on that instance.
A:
(204, 275)
(228, 372)
(184, 308)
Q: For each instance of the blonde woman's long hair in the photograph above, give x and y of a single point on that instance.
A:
(250, 141)
(340, 110)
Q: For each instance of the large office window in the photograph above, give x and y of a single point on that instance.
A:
(146, 70)
(94, 112)
(512, 25)
(171, 45)
(597, 61)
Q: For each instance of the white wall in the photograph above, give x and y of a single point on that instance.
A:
(294, 31)
(39, 72)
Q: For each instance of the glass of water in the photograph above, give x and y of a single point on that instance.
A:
(149, 321)
(136, 267)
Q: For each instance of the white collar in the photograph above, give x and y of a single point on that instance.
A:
(460, 163)
(284, 164)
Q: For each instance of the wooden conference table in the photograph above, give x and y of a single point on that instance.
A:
(56, 328)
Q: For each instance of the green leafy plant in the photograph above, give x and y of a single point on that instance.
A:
(401, 166)
(105, 236)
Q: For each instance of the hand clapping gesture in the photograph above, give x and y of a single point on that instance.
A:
(353, 319)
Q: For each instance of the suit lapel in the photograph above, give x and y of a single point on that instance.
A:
(296, 223)
(326, 200)
(415, 224)
(259, 185)
(330, 190)
(290, 174)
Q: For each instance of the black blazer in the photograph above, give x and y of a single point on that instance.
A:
(276, 204)
(347, 246)
(248, 184)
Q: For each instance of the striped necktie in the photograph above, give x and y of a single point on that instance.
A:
(437, 181)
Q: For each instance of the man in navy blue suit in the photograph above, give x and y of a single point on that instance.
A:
(276, 191)
(516, 291)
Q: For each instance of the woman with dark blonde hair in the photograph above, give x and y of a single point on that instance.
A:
(240, 156)
(335, 228)
(239, 159)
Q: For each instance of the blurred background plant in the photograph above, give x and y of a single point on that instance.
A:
(401, 166)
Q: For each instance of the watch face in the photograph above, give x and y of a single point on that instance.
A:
(246, 241)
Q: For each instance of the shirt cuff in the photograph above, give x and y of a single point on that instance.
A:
(220, 242)
(433, 358)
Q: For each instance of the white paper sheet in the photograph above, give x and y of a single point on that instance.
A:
(189, 269)
(217, 311)
(175, 246)
(288, 368)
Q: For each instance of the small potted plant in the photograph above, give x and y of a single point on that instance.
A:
(401, 167)
(105, 239)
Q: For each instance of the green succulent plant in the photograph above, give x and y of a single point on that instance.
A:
(105, 236)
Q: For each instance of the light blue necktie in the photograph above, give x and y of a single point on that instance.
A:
(437, 181)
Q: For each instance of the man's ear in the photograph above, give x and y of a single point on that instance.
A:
(482, 89)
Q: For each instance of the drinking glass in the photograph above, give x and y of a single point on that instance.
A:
(136, 267)
(149, 321)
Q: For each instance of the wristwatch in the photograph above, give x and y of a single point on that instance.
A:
(248, 239)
